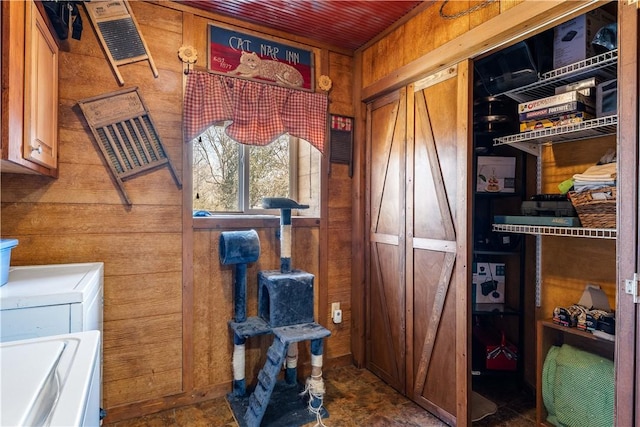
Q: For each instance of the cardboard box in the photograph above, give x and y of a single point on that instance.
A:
(496, 174)
(556, 110)
(572, 39)
(594, 298)
(551, 221)
(549, 122)
(558, 99)
(585, 87)
(607, 98)
(488, 282)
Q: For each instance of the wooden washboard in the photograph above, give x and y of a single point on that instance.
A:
(126, 135)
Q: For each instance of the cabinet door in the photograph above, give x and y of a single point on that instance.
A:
(438, 235)
(385, 299)
(41, 91)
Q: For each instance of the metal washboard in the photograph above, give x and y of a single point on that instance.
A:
(119, 34)
(126, 135)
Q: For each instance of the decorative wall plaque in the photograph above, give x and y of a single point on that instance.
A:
(251, 56)
(341, 136)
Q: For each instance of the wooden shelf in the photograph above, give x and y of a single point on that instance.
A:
(580, 333)
(549, 334)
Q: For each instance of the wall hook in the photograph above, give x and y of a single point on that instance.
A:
(188, 55)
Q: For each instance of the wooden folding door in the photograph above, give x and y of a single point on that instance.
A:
(418, 277)
(385, 219)
(438, 221)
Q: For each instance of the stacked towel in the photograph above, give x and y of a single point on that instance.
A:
(595, 177)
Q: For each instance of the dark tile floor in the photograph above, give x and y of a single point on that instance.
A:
(354, 398)
(516, 405)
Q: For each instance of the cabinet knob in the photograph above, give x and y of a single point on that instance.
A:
(38, 149)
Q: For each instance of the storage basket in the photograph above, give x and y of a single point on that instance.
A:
(596, 208)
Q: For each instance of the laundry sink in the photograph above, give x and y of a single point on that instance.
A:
(51, 381)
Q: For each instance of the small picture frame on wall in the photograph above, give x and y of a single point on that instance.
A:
(256, 57)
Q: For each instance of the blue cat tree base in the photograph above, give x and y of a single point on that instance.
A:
(286, 407)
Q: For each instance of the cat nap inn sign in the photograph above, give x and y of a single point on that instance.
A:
(240, 54)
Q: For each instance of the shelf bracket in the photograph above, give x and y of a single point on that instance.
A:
(530, 148)
(631, 287)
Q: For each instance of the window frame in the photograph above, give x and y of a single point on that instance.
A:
(244, 171)
(244, 182)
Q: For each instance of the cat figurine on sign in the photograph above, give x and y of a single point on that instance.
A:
(252, 66)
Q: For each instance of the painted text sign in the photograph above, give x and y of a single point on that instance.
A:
(247, 56)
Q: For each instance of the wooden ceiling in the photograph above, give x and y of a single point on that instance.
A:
(344, 24)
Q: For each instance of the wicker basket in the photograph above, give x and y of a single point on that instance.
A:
(596, 208)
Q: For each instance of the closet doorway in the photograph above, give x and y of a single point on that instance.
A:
(418, 222)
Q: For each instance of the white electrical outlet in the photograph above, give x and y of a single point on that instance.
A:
(336, 313)
(337, 316)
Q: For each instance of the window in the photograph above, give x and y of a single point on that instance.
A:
(232, 178)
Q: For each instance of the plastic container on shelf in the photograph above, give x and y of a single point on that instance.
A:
(6, 245)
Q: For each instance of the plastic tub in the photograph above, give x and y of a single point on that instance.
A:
(5, 252)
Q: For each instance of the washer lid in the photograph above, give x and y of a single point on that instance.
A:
(41, 285)
(29, 386)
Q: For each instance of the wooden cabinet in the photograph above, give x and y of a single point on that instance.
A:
(29, 91)
(550, 334)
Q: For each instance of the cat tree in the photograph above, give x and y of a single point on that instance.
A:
(285, 310)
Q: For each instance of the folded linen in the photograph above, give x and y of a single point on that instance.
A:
(579, 187)
(605, 172)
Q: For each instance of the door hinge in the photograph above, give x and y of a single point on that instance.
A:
(631, 287)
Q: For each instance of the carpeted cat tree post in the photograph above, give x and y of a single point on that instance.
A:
(286, 297)
(239, 248)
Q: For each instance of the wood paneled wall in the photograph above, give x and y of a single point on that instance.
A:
(81, 217)
(213, 302)
(424, 33)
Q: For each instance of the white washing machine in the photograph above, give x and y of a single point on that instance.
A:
(46, 300)
(51, 381)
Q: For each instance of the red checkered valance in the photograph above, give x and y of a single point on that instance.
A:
(259, 113)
